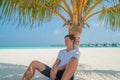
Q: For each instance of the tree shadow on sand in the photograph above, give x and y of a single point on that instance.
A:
(85, 72)
(15, 72)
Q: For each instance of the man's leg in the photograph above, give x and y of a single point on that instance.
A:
(31, 69)
(70, 69)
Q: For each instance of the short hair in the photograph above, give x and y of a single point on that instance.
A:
(72, 37)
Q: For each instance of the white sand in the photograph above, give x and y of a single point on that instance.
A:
(96, 58)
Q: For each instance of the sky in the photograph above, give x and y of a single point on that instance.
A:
(52, 33)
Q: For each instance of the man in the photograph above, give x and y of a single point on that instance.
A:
(64, 66)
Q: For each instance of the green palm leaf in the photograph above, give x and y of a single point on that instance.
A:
(108, 16)
(28, 10)
(111, 18)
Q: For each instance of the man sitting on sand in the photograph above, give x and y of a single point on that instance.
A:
(64, 66)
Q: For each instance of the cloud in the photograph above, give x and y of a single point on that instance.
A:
(96, 23)
(56, 32)
(115, 35)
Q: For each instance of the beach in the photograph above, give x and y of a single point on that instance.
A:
(94, 63)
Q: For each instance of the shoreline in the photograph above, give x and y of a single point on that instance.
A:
(48, 47)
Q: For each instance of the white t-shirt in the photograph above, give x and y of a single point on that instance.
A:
(65, 56)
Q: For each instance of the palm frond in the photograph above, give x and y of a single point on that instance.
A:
(92, 8)
(75, 11)
(28, 11)
(111, 17)
(108, 12)
(67, 8)
(88, 5)
(87, 25)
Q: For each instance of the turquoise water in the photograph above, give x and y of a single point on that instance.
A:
(49, 47)
(29, 47)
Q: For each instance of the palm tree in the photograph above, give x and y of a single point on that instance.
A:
(79, 12)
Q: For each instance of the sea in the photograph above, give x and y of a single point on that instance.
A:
(59, 46)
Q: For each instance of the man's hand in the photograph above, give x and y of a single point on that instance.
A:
(53, 73)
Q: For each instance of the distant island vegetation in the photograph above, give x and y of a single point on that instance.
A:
(92, 45)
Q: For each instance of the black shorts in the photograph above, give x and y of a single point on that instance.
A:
(59, 75)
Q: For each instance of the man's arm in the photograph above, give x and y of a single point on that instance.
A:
(57, 62)
(70, 69)
(55, 65)
(54, 69)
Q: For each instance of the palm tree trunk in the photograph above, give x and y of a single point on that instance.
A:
(76, 32)
(77, 41)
